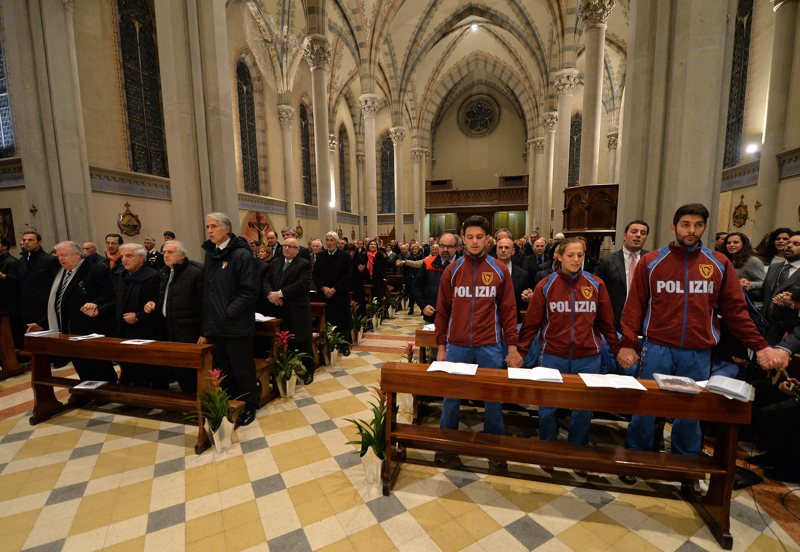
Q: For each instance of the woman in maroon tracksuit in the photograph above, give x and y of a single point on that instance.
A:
(572, 310)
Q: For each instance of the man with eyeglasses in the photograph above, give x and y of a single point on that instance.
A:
(426, 284)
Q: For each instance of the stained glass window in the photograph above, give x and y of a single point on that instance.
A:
(344, 170)
(7, 148)
(737, 100)
(387, 176)
(142, 88)
(574, 151)
(305, 155)
(247, 129)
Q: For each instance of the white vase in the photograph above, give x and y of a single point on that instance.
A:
(286, 387)
(406, 402)
(357, 335)
(373, 467)
(334, 356)
(223, 437)
(375, 323)
(391, 312)
(330, 356)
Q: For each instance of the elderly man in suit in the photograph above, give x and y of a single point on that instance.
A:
(616, 269)
(537, 259)
(77, 293)
(290, 232)
(286, 288)
(333, 272)
(782, 279)
(519, 276)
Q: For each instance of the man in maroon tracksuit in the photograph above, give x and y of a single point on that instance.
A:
(476, 313)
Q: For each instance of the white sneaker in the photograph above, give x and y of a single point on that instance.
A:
(702, 486)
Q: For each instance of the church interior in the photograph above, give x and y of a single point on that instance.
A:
(390, 119)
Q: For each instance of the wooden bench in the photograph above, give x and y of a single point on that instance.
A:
(494, 385)
(317, 327)
(424, 340)
(264, 374)
(182, 355)
(8, 355)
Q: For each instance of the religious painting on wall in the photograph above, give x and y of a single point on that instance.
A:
(299, 230)
(7, 226)
(128, 223)
(740, 214)
(256, 228)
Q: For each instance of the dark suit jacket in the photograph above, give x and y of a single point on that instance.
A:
(91, 283)
(532, 268)
(771, 289)
(521, 282)
(35, 279)
(146, 325)
(611, 269)
(589, 264)
(293, 282)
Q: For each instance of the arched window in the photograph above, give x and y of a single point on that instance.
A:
(7, 146)
(737, 101)
(309, 195)
(387, 176)
(247, 129)
(574, 151)
(344, 170)
(142, 88)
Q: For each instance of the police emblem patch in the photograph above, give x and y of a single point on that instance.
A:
(587, 291)
(706, 271)
(487, 277)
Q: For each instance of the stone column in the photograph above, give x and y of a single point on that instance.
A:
(777, 101)
(530, 157)
(398, 134)
(594, 13)
(565, 83)
(369, 108)
(612, 157)
(535, 208)
(335, 199)
(416, 180)
(286, 117)
(550, 124)
(318, 57)
(360, 181)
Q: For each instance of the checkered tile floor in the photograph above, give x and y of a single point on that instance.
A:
(118, 478)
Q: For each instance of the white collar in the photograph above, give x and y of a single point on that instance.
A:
(224, 244)
(795, 264)
(627, 254)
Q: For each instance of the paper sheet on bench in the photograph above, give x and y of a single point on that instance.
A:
(82, 337)
(90, 384)
(261, 318)
(536, 374)
(429, 328)
(43, 332)
(612, 380)
(458, 368)
(137, 341)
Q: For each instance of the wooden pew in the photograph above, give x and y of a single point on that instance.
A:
(8, 355)
(317, 326)
(494, 385)
(424, 340)
(182, 355)
(269, 384)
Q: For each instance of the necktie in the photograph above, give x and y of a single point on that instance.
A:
(634, 262)
(218, 251)
(61, 291)
(444, 264)
(287, 263)
(784, 275)
(166, 292)
(539, 261)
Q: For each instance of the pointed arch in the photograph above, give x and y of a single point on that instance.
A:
(252, 128)
(307, 163)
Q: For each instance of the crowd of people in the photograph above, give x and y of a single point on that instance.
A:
(698, 310)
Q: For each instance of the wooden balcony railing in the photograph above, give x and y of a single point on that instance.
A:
(511, 198)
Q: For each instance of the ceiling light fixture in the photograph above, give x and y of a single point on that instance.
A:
(474, 26)
(752, 148)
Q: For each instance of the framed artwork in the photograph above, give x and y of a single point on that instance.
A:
(7, 226)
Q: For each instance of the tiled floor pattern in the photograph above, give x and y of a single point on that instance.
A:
(122, 479)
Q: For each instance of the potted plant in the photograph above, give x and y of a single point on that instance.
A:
(372, 439)
(407, 399)
(357, 323)
(374, 312)
(285, 363)
(215, 408)
(391, 302)
(333, 340)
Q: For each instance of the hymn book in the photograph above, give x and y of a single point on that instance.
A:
(731, 388)
(458, 368)
(614, 381)
(676, 383)
(550, 375)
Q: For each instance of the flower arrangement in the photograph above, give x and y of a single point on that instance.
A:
(374, 308)
(356, 320)
(286, 361)
(333, 339)
(215, 404)
(372, 433)
(408, 350)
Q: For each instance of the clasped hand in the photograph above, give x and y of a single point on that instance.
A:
(771, 358)
(627, 357)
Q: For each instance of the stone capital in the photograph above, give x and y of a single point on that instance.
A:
(550, 121)
(332, 142)
(538, 145)
(777, 4)
(369, 105)
(595, 13)
(285, 116)
(318, 52)
(398, 134)
(69, 4)
(565, 82)
(360, 158)
(417, 154)
(612, 140)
